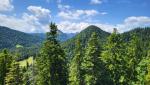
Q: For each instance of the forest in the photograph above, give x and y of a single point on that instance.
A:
(91, 57)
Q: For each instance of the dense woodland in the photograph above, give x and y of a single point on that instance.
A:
(92, 57)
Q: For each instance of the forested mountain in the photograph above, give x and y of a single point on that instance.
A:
(10, 38)
(95, 57)
(142, 33)
(83, 37)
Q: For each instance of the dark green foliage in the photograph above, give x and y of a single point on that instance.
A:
(52, 64)
(5, 61)
(14, 76)
(75, 71)
(114, 57)
(92, 66)
(10, 38)
(135, 54)
(142, 34)
(25, 52)
(84, 36)
(122, 59)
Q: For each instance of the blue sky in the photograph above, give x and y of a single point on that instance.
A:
(74, 15)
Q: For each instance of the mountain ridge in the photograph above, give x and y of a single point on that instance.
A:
(10, 38)
(84, 36)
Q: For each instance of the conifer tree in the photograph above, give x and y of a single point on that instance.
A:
(135, 55)
(75, 72)
(52, 64)
(14, 76)
(114, 58)
(91, 61)
(5, 61)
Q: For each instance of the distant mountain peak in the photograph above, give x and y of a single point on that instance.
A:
(92, 26)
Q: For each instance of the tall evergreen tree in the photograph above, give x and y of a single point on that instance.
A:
(115, 58)
(14, 76)
(52, 64)
(5, 61)
(75, 72)
(91, 61)
(135, 55)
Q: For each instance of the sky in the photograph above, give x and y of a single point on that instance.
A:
(71, 16)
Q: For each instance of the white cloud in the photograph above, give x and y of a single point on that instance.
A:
(133, 22)
(137, 20)
(104, 13)
(6, 5)
(39, 11)
(77, 14)
(128, 24)
(72, 27)
(96, 1)
(27, 22)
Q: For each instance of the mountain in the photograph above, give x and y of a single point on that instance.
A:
(84, 36)
(9, 38)
(61, 36)
(142, 33)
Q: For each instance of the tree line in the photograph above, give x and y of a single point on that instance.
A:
(118, 62)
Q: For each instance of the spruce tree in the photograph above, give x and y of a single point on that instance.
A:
(91, 61)
(14, 76)
(135, 55)
(75, 72)
(52, 64)
(5, 61)
(114, 58)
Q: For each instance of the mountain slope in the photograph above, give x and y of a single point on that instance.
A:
(10, 38)
(84, 36)
(142, 33)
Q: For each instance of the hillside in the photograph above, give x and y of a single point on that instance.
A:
(10, 38)
(84, 36)
(142, 33)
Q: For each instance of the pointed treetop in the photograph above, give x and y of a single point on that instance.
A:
(52, 35)
(115, 30)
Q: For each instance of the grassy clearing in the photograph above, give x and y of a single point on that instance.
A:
(23, 63)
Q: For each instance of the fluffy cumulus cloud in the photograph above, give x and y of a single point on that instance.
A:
(66, 12)
(27, 22)
(96, 1)
(77, 14)
(6, 5)
(39, 11)
(133, 22)
(73, 27)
